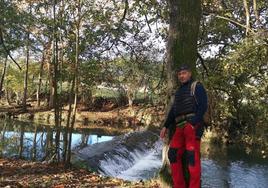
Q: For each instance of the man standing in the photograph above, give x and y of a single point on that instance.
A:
(187, 113)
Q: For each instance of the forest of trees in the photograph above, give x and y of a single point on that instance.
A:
(58, 52)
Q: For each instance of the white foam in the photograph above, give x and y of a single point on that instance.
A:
(139, 165)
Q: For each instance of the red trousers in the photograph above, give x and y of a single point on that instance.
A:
(184, 140)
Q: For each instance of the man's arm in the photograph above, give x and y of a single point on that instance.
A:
(170, 119)
(202, 100)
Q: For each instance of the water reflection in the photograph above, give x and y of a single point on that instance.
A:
(236, 174)
(221, 167)
(35, 142)
(233, 167)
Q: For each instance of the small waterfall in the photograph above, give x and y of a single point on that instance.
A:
(133, 156)
(145, 165)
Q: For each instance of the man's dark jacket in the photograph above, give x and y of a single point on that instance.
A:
(185, 103)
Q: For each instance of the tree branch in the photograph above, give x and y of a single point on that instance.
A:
(247, 16)
(256, 12)
(230, 20)
(202, 62)
(124, 14)
(235, 23)
(5, 48)
(161, 77)
(146, 19)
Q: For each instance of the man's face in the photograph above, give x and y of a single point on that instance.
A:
(184, 76)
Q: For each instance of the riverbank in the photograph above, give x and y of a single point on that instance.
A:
(118, 120)
(111, 119)
(20, 173)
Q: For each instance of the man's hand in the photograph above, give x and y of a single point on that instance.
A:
(163, 132)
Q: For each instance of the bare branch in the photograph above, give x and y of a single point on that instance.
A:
(146, 19)
(124, 14)
(256, 12)
(230, 20)
(236, 23)
(161, 77)
(202, 63)
(5, 48)
(247, 16)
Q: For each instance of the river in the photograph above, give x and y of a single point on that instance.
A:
(221, 167)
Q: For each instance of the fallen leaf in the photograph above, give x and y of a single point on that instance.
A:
(59, 186)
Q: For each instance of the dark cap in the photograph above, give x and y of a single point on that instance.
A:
(184, 67)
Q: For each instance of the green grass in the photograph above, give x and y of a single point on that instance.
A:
(105, 93)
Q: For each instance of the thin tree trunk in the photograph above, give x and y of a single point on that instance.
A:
(76, 78)
(247, 16)
(21, 141)
(72, 126)
(3, 77)
(84, 139)
(49, 143)
(50, 84)
(2, 138)
(184, 21)
(71, 98)
(34, 144)
(55, 83)
(8, 96)
(60, 63)
(130, 96)
(26, 73)
(46, 88)
(256, 12)
(40, 79)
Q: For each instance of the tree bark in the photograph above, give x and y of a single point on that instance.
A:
(76, 78)
(130, 97)
(21, 146)
(50, 84)
(55, 83)
(8, 96)
(247, 16)
(66, 135)
(40, 79)
(26, 72)
(184, 22)
(256, 12)
(49, 144)
(3, 77)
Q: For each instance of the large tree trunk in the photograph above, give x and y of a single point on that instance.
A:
(184, 21)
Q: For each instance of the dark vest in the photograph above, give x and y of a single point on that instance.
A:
(184, 102)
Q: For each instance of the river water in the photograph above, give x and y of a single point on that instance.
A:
(221, 167)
